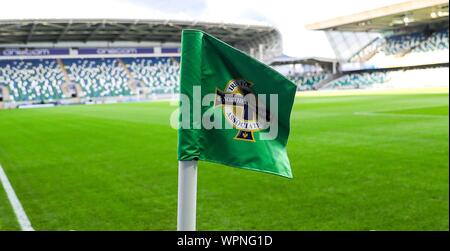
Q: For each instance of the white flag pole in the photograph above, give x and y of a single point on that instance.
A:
(187, 195)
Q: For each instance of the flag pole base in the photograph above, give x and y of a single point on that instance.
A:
(187, 195)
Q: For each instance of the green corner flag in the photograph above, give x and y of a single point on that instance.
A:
(234, 110)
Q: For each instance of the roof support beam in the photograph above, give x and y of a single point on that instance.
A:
(99, 26)
(69, 24)
(30, 33)
(125, 31)
(10, 40)
(8, 27)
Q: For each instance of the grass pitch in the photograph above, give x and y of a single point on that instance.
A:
(372, 162)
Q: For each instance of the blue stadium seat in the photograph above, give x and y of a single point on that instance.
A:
(307, 81)
(160, 74)
(32, 80)
(98, 77)
(405, 44)
(359, 80)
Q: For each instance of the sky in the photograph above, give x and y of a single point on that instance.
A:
(288, 16)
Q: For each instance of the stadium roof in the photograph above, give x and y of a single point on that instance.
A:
(283, 59)
(85, 30)
(392, 17)
(262, 39)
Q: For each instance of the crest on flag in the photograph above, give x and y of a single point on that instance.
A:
(242, 109)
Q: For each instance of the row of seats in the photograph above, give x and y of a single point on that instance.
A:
(43, 79)
(98, 77)
(404, 44)
(307, 81)
(161, 75)
(358, 80)
(32, 79)
(437, 41)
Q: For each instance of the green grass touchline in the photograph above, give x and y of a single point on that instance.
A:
(114, 167)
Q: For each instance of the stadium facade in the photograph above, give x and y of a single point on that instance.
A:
(404, 45)
(49, 62)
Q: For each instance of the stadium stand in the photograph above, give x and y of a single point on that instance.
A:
(160, 75)
(307, 72)
(98, 77)
(42, 80)
(32, 80)
(307, 81)
(437, 41)
(404, 45)
(407, 45)
(76, 61)
(358, 80)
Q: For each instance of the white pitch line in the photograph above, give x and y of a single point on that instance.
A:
(22, 217)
